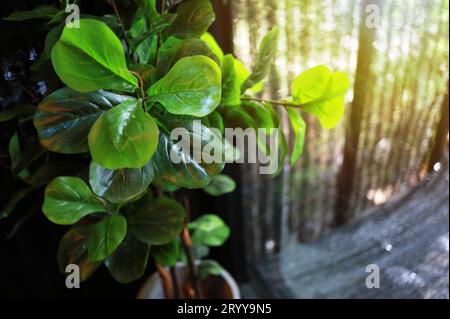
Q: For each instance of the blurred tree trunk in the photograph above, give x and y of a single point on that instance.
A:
(346, 177)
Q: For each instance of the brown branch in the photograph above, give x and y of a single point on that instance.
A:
(187, 245)
(165, 281)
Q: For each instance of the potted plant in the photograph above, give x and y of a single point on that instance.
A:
(125, 86)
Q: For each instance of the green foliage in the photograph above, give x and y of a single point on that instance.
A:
(64, 118)
(120, 185)
(266, 55)
(299, 129)
(192, 87)
(124, 136)
(158, 221)
(321, 92)
(193, 19)
(220, 185)
(187, 172)
(130, 84)
(73, 249)
(166, 255)
(209, 230)
(91, 58)
(129, 261)
(68, 199)
(106, 237)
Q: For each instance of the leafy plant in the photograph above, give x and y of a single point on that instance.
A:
(125, 89)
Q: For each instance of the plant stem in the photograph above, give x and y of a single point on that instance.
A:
(141, 84)
(119, 19)
(176, 287)
(282, 103)
(165, 280)
(187, 244)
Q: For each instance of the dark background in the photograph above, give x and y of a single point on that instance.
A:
(28, 267)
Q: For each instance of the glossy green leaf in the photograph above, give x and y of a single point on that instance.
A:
(220, 185)
(64, 118)
(264, 59)
(15, 111)
(68, 199)
(41, 12)
(192, 87)
(299, 129)
(166, 255)
(209, 230)
(213, 45)
(321, 93)
(158, 221)
(188, 171)
(120, 185)
(73, 249)
(106, 236)
(129, 261)
(123, 137)
(175, 49)
(231, 86)
(193, 19)
(91, 58)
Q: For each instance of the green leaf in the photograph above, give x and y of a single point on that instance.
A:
(208, 268)
(264, 59)
(250, 115)
(91, 58)
(120, 185)
(68, 199)
(64, 118)
(15, 111)
(14, 200)
(220, 185)
(41, 12)
(242, 74)
(299, 128)
(231, 86)
(166, 255)
(213, 45)
(188, 171)
(73, 249)
(209, 230)
(192, 87)
(15, 154)
(106, 236)
(129, 261)
(158, 221)
(216, 121)
(194, 17)
(321, 93)
(281, 146)
(125, 136)
(148, 9)
(174, 49)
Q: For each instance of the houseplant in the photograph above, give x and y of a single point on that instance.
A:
(126, 81)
